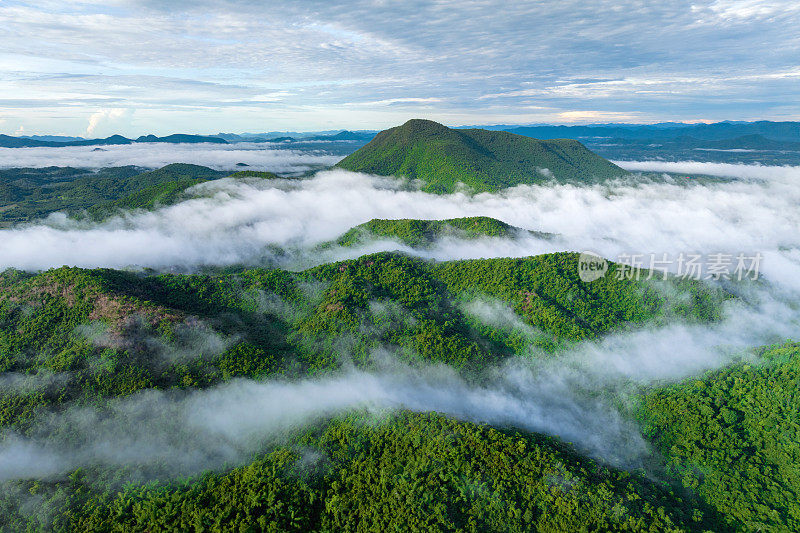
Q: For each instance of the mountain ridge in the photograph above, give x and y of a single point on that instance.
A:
(7, 141)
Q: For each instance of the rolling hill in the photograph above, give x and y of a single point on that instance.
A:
(27, 194)
(423, 233)
(481, 159)
(79, 339)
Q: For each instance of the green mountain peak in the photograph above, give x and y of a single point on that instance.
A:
(484, 160)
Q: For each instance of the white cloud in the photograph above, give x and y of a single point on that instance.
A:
(258, 156)
(394, 101)
(111, 120)
(747, 10)
(593, 116)
(239, 221)
(65, 61)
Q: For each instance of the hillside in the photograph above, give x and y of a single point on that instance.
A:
(733, 437)
(423, 233)
(71, 337)
(484, 160)
(29, 194)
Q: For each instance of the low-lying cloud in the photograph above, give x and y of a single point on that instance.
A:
(239, 221)
(184, 433)
(257, 156)
(727, 170)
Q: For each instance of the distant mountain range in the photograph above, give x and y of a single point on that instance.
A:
(481, 159)
(779, 131)
(7, 141)
(745, 142)
(295, 136)
(764, 135)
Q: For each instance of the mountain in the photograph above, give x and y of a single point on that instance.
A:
(752, 149)
(27, 194)
(343, 136)
(484, 160)
(780, 131)
(54, 138)
(114, 139)
(7, 141)
(753, 141)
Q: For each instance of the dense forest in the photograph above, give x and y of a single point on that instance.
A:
(27, 194)
(424, 233)
(733, 437)
(483, 160)
(87, 339)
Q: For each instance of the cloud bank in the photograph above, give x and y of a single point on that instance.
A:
(257, 156)
(236, 221)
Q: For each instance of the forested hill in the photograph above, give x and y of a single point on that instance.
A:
(482, 159)
(418, 233)
(27, 194)
(82, 341)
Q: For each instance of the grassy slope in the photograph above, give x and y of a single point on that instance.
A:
(484, 160)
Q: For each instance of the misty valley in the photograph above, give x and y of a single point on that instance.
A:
(370, 331)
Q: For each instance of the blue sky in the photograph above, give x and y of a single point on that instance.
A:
(97, 67)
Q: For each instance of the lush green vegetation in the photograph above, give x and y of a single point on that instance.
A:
(84, 337)
(27, 194)
(166, 193)
(98, 325)
(483, 160)
(733, 437)
(423, 233)
(412, 472)
(255, 174)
